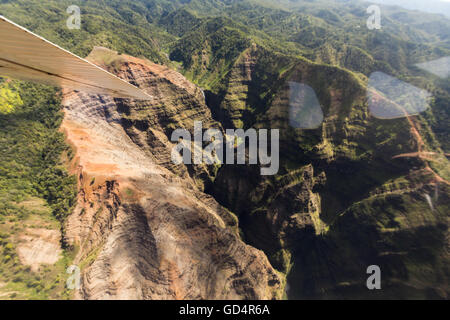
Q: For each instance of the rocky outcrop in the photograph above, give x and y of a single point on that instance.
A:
(143, 227)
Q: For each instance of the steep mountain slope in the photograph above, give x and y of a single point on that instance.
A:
(343, 169)
(142, 231)
(343, 176)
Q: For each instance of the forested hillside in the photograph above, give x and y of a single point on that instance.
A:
(35, 189)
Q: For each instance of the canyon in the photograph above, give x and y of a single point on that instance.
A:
(353, 188)
(146, 228)
(143, 228)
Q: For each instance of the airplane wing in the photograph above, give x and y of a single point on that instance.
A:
(26, 56)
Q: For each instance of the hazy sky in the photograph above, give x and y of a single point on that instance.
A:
(434, 6)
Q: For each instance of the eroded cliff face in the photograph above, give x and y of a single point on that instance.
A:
(143, 228)
(350, 193)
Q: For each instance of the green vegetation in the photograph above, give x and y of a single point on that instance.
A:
(9, 99)
(120, 25)
(18, 281)
(31, 152)
(31, 171)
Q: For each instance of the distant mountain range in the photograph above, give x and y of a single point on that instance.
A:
(433, 6)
